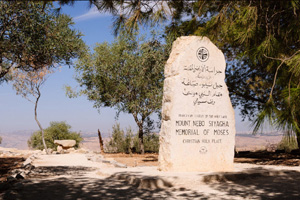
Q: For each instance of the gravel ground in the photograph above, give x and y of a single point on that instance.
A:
(90, 176)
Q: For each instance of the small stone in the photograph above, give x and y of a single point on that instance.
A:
(44, 152)
(20, 176)
(59, 149)
(50, 151)
(27, 162)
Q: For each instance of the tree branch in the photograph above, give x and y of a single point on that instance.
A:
(283, 60)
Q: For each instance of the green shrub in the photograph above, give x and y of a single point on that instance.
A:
(288, 143)
(117, 141)
(129, 142)
(56, 131)
(151, 142)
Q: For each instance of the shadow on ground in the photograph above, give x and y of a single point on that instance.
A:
(259, 183)
(8, 164)
(268, 158)
(46, 183)
(84, 189)
(267, 184)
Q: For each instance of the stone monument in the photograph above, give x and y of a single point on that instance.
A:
(198, 126)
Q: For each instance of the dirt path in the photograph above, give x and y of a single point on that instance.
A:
(83, 177)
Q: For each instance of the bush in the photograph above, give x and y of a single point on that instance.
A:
(129, 143)
(151, 142)
(56, 131)
(288, 143)
(117, 140)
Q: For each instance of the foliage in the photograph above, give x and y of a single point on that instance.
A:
(0, 140)
(129, 142)
(151, 142)
(34, 39)
(28, 85)
(120, 142)
(126, 75)
(288, 144)
(260, 40)
(33, 36)
(56, 131)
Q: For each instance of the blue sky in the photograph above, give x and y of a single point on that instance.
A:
(17, 113)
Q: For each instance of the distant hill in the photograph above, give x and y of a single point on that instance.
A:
(255, 142)
(244, 141)
(16, 139)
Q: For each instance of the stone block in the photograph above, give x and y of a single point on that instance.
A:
(198, 127)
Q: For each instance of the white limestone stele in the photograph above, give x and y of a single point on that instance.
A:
(198, 126)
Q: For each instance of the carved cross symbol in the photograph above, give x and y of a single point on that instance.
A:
(203, 149)
(202, 54)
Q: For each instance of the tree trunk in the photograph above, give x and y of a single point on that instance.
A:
(100, 142)
(141, 139)
(37, 121)
(140, 124)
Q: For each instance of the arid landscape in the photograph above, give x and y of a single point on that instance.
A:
(243, 141)
(87, 174)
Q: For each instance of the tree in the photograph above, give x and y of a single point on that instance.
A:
(33, 36)
(260, 40)
(0, 140)
(56, 131)
(34, 39)
(126, 75)
(28, 85)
